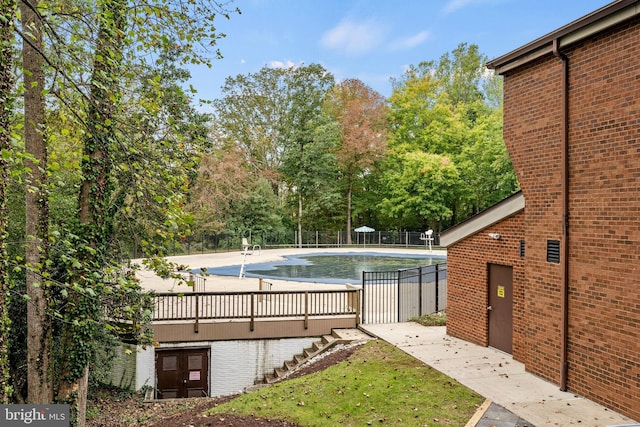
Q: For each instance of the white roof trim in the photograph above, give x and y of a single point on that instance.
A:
(487, 218)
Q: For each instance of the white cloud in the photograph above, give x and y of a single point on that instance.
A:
(280, 64)
(242, 61)
(354, 37)
(455, 5)
(410, 42)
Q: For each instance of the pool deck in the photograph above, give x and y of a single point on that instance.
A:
(150, 281)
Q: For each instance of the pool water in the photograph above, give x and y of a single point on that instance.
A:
(329, 267)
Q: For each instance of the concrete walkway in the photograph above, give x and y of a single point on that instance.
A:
(518, 398)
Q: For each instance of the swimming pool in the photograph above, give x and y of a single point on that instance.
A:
(328, 267)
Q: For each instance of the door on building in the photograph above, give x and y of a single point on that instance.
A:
(500, 309)
(182, 373)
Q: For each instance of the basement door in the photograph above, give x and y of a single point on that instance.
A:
(500, 309)
(182, 373)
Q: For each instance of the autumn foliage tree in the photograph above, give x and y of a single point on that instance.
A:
(361, 114)
(269, 127)
(249, 120)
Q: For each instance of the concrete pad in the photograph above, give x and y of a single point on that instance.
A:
(496, 376)
(353, 335)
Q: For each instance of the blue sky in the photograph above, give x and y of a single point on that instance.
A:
(375, 40)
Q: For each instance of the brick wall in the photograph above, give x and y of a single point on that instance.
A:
(533, 131)
(467, 293)
(604, 211)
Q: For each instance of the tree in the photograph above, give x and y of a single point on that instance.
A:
(88, 275)
(94, 203)
(249, 120)
(7, 16)
(452, 108)
(421, 114)
(269, 126)
(311, 175)
(223, 183)
(256, 213)
(246, 152)
(420, 189)
(461, 74)
(304, 155)
(163, 138)
(484, 164)
(362, 116)
(39, 338)
(324, 210)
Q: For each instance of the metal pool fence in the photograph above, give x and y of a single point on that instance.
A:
(222, 242)
(397, 296)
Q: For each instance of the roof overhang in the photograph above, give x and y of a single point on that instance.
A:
(498, 212)
(580, 29)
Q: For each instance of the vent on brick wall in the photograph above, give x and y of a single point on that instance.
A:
(521, 248)
(553, 251)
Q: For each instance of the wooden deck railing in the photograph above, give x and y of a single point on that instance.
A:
(197, 306)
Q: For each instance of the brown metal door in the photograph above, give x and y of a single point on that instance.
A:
(500, 309)
(182, 373)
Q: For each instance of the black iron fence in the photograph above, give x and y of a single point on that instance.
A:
(397, 296)
(222, 242)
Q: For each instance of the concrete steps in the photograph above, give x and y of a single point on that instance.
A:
(338, 336)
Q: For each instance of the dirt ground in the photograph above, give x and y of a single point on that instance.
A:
(112, 410)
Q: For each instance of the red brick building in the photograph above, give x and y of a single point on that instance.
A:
(552, 274)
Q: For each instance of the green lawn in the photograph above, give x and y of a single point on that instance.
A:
(378, 385)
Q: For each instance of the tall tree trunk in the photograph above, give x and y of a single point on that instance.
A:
(349, 195)
(299, 219)
(95, 197)
(39, 338)
(300, 185)
(7, 15)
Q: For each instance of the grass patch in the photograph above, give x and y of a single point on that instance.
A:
(379, 384)
(433, 319)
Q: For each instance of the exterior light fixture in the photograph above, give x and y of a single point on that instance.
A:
(495, 236)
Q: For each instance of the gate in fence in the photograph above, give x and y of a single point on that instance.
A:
(397, 296)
